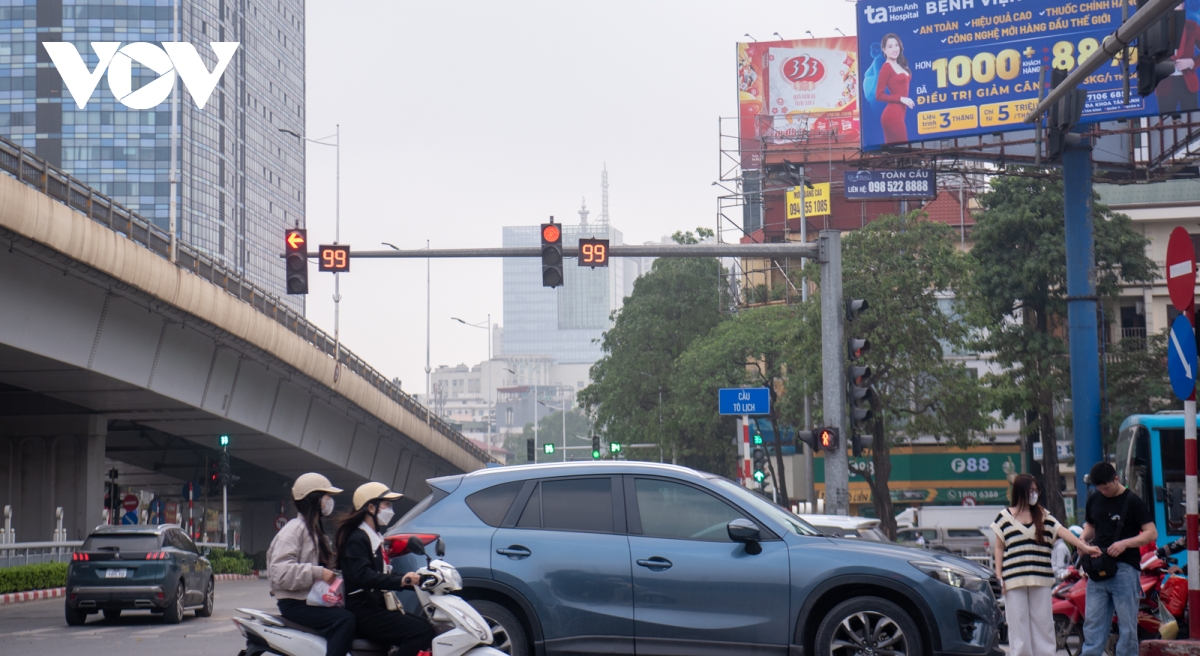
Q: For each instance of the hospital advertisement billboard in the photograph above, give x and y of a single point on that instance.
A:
(936, 69)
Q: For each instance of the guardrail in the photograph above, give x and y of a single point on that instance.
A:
(61, 186)
(32, 553)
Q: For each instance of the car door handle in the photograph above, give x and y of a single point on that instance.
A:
(515, 552)
(656, 562)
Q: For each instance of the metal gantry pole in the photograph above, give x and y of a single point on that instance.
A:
(337, 239)
(837, 467)
(809, 461)
(428, 369)
(173, 176)
(1081, 313)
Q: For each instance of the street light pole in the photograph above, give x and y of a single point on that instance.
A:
(535, 402)
(488, 328)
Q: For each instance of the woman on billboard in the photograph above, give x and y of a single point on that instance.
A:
(892, 88)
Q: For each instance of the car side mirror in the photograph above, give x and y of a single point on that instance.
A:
(744, 531)
(439, 548)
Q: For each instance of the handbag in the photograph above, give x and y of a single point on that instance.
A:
(1104, 566)
(392, 602)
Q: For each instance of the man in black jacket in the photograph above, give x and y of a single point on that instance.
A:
(368, 574)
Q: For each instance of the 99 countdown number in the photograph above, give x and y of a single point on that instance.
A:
(985, 67)
(593, 252)
(335, 258)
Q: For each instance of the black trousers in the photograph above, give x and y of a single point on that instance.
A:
(408, 633)
(336, 624)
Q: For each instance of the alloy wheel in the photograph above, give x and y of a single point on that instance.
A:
(868, 633)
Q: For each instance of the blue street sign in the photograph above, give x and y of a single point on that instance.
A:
(1181, 358)
(130, 517)
(745, 401)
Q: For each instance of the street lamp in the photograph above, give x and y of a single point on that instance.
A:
(337, 236)
(488, 328)
(535, 402)
(564, 415)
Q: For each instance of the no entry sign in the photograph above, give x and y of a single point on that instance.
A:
(1181, 269)
(130, 502)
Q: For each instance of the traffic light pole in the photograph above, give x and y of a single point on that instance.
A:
(225, 509)
(833, 343)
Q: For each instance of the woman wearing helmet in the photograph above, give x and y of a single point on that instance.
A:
(368, 574)
(299, 556)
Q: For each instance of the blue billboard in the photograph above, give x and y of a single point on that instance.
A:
(890, 183)
(936, 69)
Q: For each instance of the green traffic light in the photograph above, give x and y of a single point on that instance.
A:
(224, 440)
(757, 438)
(614, 447)
(759, 476)
(548, 448)
(595, 454)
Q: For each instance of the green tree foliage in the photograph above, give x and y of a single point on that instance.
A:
(1135, 382)
(631, 397)
(1020, 291)
(909, 271)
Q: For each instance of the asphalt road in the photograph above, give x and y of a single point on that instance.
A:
(38, 627)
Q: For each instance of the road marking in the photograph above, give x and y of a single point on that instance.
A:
(219, 629)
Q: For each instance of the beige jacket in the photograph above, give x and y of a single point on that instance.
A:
(291, 559)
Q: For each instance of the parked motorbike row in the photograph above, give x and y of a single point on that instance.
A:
(1161, 612)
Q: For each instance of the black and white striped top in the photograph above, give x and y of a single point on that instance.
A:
(1026, 563)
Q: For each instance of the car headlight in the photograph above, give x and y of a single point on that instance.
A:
(951, 575)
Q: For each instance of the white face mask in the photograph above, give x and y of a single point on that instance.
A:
(1033, 497)
(327, 506)
(384, 517)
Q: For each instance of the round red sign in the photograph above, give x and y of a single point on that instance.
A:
(803, 69)
(130, 502)
(1181, 269)
(280, 522)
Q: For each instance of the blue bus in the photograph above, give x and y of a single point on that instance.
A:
(1149, 460)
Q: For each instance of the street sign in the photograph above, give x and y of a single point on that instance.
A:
(191, 492)
(130, 501)
(280, 522)
(744, 401)
(129, 518)
(1181, 269)
(1181, 358)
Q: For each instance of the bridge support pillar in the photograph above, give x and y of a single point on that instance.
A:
(51, 461)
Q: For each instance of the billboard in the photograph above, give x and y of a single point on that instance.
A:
(797, 92)
(934, 69)
(816, 200)
(890, 183)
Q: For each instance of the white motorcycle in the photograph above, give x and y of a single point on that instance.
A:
(461, 630)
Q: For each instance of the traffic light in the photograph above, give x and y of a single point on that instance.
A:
(614, 448)
(224, 474)
(529, 455)
(595, 447)
(548, 448)
(1155, 46)
(827, 438)
(552, 257)
(1064, 115)
(296, 260)
(759, 456)
(756, 438)
(857, 376)
(224, 440)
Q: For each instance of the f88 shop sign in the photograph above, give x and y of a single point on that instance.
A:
(171, 59)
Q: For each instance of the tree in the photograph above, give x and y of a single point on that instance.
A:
(676, 302)
(1135, 382)
(1020, 291)
(748, 350)
(909, 271)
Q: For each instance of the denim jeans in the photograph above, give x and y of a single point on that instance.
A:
(1121, 594)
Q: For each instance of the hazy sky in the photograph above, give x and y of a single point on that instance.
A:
(459, 118)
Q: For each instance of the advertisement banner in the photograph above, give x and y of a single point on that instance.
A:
(801, 91)
(816, 200)
(981, 466)
(935, 69)
(890, 184)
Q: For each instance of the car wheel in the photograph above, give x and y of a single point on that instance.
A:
(210, 595)
(508, 635)
(112, 613)
(75, 616)
(868, 625)
(173, 614)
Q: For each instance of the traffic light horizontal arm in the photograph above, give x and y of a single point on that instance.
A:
(793, 249)
(1139, 22)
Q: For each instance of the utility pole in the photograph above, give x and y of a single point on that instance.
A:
(809, 462)
(833, 348)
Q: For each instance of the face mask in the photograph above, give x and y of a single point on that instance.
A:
(327, 506)
(384, 517)
(1033, 497)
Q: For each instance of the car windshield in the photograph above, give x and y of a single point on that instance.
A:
(761, 505)
(130, 542)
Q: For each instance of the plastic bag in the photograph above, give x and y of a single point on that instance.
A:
(327, 595)
(1168, 628)
(1173, 593)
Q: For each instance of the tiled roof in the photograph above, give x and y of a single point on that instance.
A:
(946, 209)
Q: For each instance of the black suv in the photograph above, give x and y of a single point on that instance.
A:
(154, 568)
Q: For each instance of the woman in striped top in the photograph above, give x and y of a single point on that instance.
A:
(1024, 535)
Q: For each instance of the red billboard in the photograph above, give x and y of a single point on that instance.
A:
(794, 94)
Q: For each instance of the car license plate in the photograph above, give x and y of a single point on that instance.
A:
(115, 573)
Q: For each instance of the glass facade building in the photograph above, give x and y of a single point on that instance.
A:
(241, 181)
(566, 322)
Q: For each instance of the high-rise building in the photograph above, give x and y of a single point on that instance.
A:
(241, 180)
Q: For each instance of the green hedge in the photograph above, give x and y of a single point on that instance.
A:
(228, 561)
(33, 577)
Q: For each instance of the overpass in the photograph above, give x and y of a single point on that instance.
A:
(108, 350)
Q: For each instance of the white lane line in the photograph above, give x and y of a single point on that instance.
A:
(219, 629)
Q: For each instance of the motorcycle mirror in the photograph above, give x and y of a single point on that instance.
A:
(439, 548)
(416, 546)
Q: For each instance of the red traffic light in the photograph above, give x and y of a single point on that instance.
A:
(551, 233)
(827, 438)
(296, 240)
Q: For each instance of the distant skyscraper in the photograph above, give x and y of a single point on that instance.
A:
(241, 180)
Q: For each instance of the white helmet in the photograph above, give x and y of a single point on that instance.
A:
(1076, 530)
(312, 482)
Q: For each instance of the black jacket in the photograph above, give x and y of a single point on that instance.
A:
(362, 569)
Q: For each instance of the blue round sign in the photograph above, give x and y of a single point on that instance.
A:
(1181, 358)
(129, 517)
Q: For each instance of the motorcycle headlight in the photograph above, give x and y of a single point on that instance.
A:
(951, 575)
